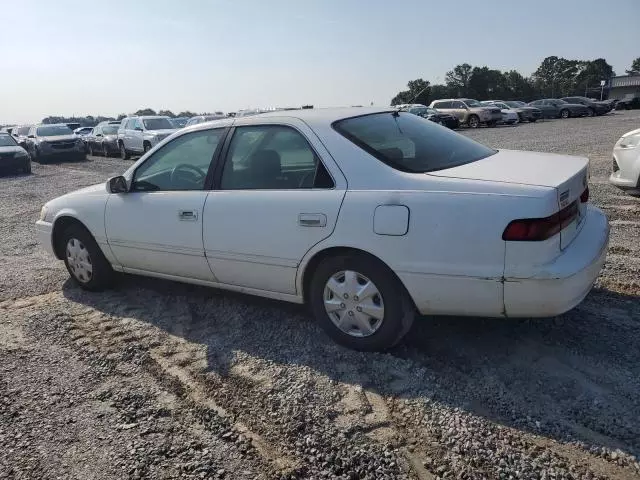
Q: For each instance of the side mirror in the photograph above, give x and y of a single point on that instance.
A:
(118, 184)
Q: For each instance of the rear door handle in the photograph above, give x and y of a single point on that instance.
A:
(312, 220)
(188, 215)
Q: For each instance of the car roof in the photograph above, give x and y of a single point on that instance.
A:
(147, 116)
(314, 117)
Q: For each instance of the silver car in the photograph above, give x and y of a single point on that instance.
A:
(626, 163)
(138, 135)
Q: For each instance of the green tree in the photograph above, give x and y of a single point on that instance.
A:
(485, 84)
(635, 67)
(418, 91)
(121, 116)
(556, 76)
(590, 75)
(186, 114)
(516, 86)
(166, 113)
(458, 79)
(146, 111)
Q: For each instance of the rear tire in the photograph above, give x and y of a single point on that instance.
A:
(374, 322)
(565, 113)
(146, 147)
(84, 260)
(473, 121)
(591, 112)
(124, 155)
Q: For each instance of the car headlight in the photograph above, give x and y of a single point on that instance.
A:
(43, 213)
(631, 141)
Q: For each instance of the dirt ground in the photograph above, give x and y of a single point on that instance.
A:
(155, 379)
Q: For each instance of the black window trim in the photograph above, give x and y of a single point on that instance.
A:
(222, 160)
(372, 151)
(208, 181)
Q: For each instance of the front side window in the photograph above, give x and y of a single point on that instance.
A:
(181, 164)
(53, 130)
(410, 144)
(158, 124)
(272, 157)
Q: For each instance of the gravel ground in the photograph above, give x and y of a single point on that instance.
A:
(155, 379)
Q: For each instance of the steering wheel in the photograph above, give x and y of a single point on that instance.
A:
(187, 172)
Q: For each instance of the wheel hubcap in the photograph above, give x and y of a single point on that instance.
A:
(353, 303)
(79, 260)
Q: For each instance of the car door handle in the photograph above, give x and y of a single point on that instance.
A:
(188, 215)
(312, 220)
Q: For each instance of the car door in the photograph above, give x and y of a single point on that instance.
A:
(277, 194)
(459, 110)
(136, 135)
(156, 227)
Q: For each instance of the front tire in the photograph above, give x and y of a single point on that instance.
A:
(124, 155)
(360, 303)
(564, 113)
(473, 121)
(591, 112)
(105, 151)
(84, 260)
(146, 147)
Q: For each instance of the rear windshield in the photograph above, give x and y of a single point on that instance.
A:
(410, 143)
(7, 141)
(21, 130)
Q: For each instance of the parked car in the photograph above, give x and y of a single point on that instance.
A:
(594, 108)
(204, 118)
(54, 141)
(468, 111)
(509, 115)
(524, 112)
(628, 102)
(432, 114)
(359, 228)
(556, 108)
(626, 163)
(82, 131)
(180, 122)
(20, 135)
(103, 140)
(12, 155)
(141, 134)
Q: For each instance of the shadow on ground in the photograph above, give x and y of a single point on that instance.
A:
(576, 377)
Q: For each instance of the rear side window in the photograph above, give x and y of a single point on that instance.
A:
(410, 143)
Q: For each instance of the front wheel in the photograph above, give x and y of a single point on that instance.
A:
(124, 155)
(591, 112)
(564, 113)
(359, 303)
(146, 147)
(474, 121)
(84, 260)
(533, 120)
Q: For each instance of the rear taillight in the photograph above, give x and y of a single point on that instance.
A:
(538, 229)
(584, 198)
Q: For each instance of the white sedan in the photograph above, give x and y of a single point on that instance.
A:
(626, 163)
(367, 215)
(509, 115)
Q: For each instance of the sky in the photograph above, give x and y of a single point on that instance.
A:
(64, 57)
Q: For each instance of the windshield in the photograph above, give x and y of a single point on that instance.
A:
(158, 124)
(515, 104)
(53, 130)
(7, 141)
(110, 129)
(422, 111)
(179, 122)
(409, 143)
(21, 130)
(473, 103)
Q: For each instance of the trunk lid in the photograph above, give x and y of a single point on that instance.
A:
(568, 175)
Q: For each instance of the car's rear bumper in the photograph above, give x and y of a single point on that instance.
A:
(561, 285)
(43, 234)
